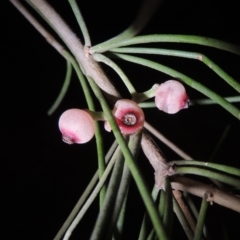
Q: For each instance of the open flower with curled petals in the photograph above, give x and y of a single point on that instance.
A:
(76, 126)
(171, 97)
(128, 115)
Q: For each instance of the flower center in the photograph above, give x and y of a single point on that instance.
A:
(129, 119)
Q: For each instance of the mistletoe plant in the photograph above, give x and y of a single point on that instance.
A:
(172, 191)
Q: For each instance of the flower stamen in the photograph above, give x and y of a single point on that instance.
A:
(129, 119)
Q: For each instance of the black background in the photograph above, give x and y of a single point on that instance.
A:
(43, 177)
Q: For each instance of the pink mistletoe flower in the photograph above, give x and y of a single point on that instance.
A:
(76, 126)
(128, 115)
(171, 97)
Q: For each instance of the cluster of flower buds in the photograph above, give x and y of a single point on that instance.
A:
(77, 126)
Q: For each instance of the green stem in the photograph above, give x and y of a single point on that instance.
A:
(192, 55)
(101, 58)
(166, 206)
(63, 90)
(140, 97)
(210, 174)
(144, 231)
(151, 236)
(104, 217)
(99, 141)
(76, 208)
(81, 22)
(152, 210)
(186, 227)
(187, 80)
(84, 196)
(101, 160)
(219, 167)
(120, 222)
(192, 102)
(91, 197)
(201, 219)
(173, 38)
(134, 146)
(147, 10)
(210, 101)
(194, 211)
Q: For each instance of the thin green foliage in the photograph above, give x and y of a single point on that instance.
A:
(134, 145)
(225, 178)
(81, 22)
(171, 38)
(145, 227)
(131, 164)
(166, 206)
(145, 13)
(184, 54)
(110, 205)
(208, 165)
(93, 195)
(193, 102)
(104, 217)
(117, 69)
(90, 103)
(84, 196)
(182, 219)
(63, 91)
(201, 219)
(182, 77)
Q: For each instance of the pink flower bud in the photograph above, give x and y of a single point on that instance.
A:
(171, 97)
(128, 115)
(76, 126)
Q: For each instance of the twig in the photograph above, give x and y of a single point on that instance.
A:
(216, 195)
(201, 218)
(90, 67)
(163, 139)
(182, 219)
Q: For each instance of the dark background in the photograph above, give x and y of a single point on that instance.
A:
(43, 177)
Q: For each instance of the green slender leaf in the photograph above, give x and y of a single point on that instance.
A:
(117, 69)
(210, 174)
(90, 103)
(180, 76)
(104, 217)
(81, 22)
(84, 196)
(134, 145)
(138, 177)
(192, 55)
(193, 102)
(223, 168)
(172, 38)
(92, 196)
(63, 90)
(166, 206)
(186, 227)
(145, 227)
(146, 11)
(201, 218)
